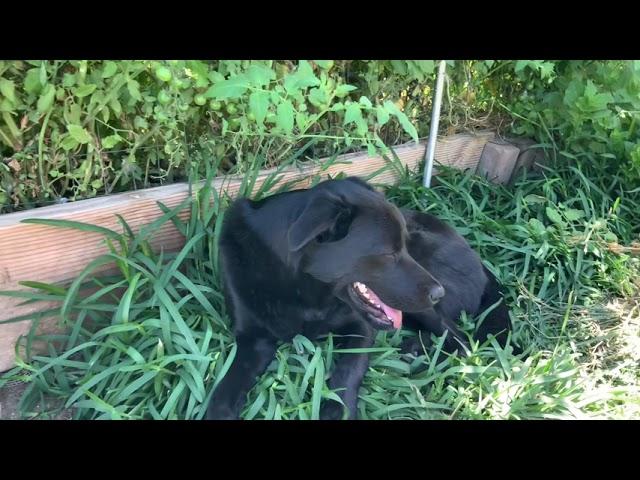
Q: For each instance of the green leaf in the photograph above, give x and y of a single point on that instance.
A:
(231, 88)
(8, 90)
(537, 226)
(553, 215)
(610, 237)
(343, 90)
(352, 114)
(200, 72)
(590, 90)
(427, 66)
(301, 120)
(284, 117)
(6, 106)
(215, 77)
(106, 114)
(69, 80)
(85, 227)
(520, 64)
(318, 97)
(382, 115)
(110, 69)
(305, 76)
(324, 64)
(134, 90)
(46, 99)
(140, 122)
(32, 81)
(135, 385)
(259, 105)
(546, 69)
(532, 199)
(600, 101)
(318, 384)
(173, 399)
(176, 317)
(87, 89)
(259, 75)
(573, 92)
(365, 102)
(115, 106)
(79, 134)
(69, 143)
(402, 118)
(592, 101)
(407, 126)
(399, 66)
(111, 141)
(47, 287)
(42, 74)
(572, 214)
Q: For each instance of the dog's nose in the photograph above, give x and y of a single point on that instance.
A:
(436, 293)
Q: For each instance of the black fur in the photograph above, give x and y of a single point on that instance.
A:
(289, 263)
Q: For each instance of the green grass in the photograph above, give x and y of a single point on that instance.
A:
(154, 340)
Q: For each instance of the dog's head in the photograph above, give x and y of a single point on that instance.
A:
(349, 236)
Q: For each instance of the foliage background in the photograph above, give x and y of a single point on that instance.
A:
(77, 129)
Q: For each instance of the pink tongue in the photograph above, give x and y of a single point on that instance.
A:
(395, 315)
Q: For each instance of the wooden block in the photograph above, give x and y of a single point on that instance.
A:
(497, 161)
(53, 255)
(530, 157)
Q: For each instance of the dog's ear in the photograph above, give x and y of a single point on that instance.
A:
(320, 216)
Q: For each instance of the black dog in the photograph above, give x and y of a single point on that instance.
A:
(340, 258)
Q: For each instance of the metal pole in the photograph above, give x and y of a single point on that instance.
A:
(435, 119)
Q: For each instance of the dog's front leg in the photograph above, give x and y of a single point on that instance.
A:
(349, 371)
(253, 356)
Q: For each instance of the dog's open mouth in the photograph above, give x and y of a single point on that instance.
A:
(380, 313)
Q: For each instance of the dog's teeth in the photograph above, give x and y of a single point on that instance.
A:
(378, 306)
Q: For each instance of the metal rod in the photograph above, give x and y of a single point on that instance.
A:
(435, 120)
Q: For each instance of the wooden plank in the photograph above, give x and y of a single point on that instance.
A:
(46, 254)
